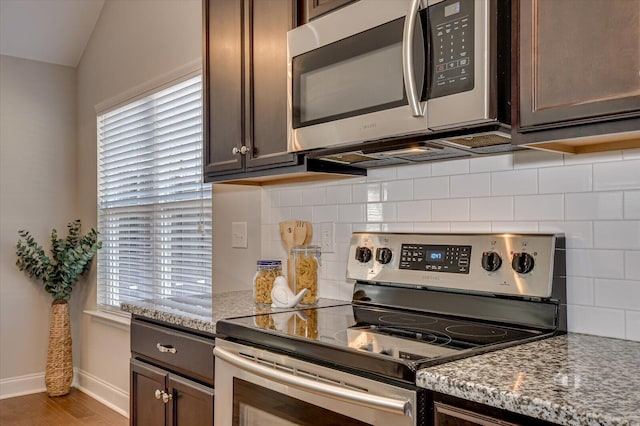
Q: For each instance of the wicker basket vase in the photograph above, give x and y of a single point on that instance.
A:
(59, 372)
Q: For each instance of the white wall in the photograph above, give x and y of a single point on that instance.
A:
(593, 198)
(134, 42)
(37, 193)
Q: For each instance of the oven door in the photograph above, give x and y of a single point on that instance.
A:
(256, 387)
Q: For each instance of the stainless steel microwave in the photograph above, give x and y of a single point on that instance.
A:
(378, 69)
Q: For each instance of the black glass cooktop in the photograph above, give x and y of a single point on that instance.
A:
(379, 341)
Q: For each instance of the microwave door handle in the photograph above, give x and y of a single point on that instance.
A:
(377, 402)
(407, 60)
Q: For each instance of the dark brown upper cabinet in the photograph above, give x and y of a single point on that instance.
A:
(315, 8)
(245, 71)
(578, 68)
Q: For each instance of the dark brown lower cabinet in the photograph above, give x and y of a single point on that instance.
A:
(162, 398)
(452, 411)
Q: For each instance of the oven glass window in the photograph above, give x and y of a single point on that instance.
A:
(354, 76)
(254, 405)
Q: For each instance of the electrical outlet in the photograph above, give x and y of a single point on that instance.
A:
(328, 237)
(239, 234)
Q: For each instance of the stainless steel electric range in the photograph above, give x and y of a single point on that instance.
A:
(418, 300)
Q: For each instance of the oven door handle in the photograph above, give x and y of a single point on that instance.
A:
(395, 406)
(407, 60)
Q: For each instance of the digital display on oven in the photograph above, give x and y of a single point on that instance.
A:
(435, 258)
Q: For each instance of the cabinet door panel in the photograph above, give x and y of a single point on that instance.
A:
(315, 8)
(145, 409)
(579, 60)
(223, 73)
(267, 129)
(192, 403)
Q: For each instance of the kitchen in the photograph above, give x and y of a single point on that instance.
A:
(592, 198)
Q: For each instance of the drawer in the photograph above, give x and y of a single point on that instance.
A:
(189, 354)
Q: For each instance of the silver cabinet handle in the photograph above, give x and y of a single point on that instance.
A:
(395, 406)
(166, 397)
(242, 150)
(407, 60)
(158, 393)
(164, 349)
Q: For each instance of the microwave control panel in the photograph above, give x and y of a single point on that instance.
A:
(452, 46)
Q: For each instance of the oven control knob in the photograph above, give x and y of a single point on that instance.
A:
(522, 263)
(363, 254)
(383, 255)
(491, 261)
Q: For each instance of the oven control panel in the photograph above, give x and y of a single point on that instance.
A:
(510, 264)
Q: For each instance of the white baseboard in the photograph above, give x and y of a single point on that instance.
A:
(22, 385)
(109, 395)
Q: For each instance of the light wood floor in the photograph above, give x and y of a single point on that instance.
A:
(73, 409)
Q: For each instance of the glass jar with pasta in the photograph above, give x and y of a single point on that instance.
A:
(266, 273)
(306, 265)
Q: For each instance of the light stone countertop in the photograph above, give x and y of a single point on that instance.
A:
(201, 312)
(574, 379)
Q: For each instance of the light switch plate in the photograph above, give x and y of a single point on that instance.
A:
(328, 237)
(239, 234)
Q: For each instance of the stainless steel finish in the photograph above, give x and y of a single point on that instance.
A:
(504, 281)
(381, 343)
(158, 393)
(235, 150)
(242, 150)
(407, 60)
(166, 349)
(166, 397)
(370, 401)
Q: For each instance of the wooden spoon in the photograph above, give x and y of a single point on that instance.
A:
(287, 236)
(299, 237)
(309, 236)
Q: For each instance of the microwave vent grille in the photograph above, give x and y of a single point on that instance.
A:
(480, 141)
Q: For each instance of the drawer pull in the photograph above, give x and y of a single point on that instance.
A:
(159, 393)
(166, 397)
(165, 349)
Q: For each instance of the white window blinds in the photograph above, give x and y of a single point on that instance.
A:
(154, 212)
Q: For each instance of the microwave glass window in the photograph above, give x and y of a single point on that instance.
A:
(347, 85)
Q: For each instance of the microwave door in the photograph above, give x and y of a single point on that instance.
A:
(352, 88)
(459, 91)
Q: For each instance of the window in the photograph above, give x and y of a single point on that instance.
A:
(154, 211)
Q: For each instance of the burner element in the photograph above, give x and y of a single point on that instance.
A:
(474, 330)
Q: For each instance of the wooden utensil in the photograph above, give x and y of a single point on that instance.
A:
(309, 236)
(292, 233)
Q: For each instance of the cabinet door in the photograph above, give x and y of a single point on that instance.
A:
(191, 403)
(223, 74)
(579, 61)
(266, 128)
(144, 408)
(316, 8)
(447, 415)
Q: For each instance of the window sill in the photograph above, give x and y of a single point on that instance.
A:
(113, 319)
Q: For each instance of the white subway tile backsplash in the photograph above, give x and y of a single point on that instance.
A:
(539, 207)
(463, 227)
(633, 325)
(491, 164)
(302, 213)
(343, 233)
(516, 182)
(432, 227)
(632, 265)
(554, 180)
(534, 159)
(594, 205)
(617, 234)
(595, 263)
(278, 214)
(580, 291)
(593, 157)
(350, 213)
(367, 227)
(491, 208)
(630, 154)
(430, 188)
(327, 213)
(338, 194)
(365, 193)
(314, 196)
(577, 234)
(414, 211)
(472, 185)
(632, 204)
(398, 190)
(450, 167)
(381, 174)
(381, 212)
(450, 210)
(396, 227)
(618, 294)
(594, 320)
(290, 197)
(523, 227)
(616, 175)
(414, 171)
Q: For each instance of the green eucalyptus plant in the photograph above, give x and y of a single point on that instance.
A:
(70, 258)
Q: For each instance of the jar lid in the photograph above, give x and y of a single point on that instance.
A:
(305, 249)
(269, 263)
